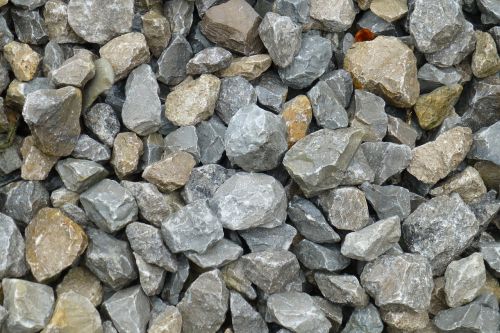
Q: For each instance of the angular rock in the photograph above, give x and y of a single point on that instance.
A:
(235, 93)
(22, 60)
(337, 202)
(153, 147)
(341, 289)
(17, 91)
(400, 132)
(23, 199)
(171, 173)
(297, 10)
(180, 15)
(103, 122)
(264, 239)
(173, 60)
(484, 146)
(386, 159)
(151, 277)
(221, 253)
(358, 171)
(388, 200)
(320, 257)
(490, 251)
(78, 175)
(467, 183)
(28, 4)
(341, 83)
(11, 159)
(297, 114)
(36, 164)
(249, 200)
(185, 139)
(401, 319)
(389, 10)
(490, 173)
(127, 151)
(13, 263)
(156, 29)
(364, 320)
(81, 281)
(108, 327)
(30, 26)
(431, 109)
(250, 67)
(197, 39)
(75, 71)
(102, 81)
(337, 17)
(204, 181)
(90, 149)
(168, 321)
(175, 281)
(211, 140)
(369, 115)
(243, 317)
(271, 92)
(209, 60)
(485, 60)
(431, 77)
(327, 111)
(53, 55)
(129, 310)
(55, 14)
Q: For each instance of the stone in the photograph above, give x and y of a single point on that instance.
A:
(209, 60)
(74, 312)
(17, 91)
(463, 280)
(151, 277)
(364, 320)
(7, 35)
(431, 77)
(90, 149)
(174, 283)
(402, 280)
(328, 112)
(23, 60)
(55, 14)
(297, 10)
(341, 83)
(185, 139)
(53, 56)
(372, 241)
(102, 81)
(98, 23)
(432, 108)
(53, 118)
(170, 173)
(204, 182)
(490, 252)
(369, 63)
(108, 327)
(129, 310)
(324, 257)
(358, 171)
(484, 147)
(485, 60)
(233, 25)
(297, 114)
(309, 64)
(467, 183)
(399, 319)
(271, 271)
(36, 164)
(255, 139)
(193, 228)
(75, 71)
(249, 200)
(205, 304)
(400, 132)
(146, 241)
(125, 53)
(296, 311)
(11, 159)
(3, 315)
(29, 26)
(369, 115)
(489, 11)
(388, 200)
(81, 281)
(53, 243)
(173, 60)
(193, 102)
(342, 289)
(329, 163)
(271, 92)
(440, 229)
(243, 317)
(389, 10)
(235, 278)
(168, 321)
(489, 173)
(333, 312)
(211, 134)
(156, 29)
(180, 15)
(438, 297)
(250, 67)
(28, 4)
(335, 203)
(23, 199)
(153, 147)
(264, 239)
(127, 151)
(219, 254)
(78, 175)
(110, 206)
(29, 305)
(337, 17)
(12, 247)
(235, 93)
(434, 160)
(103, 122)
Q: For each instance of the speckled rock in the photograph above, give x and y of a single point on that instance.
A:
(23, 199)
(127, 151)
(22, 59)
(75, 71)
(167, 321)
(172, 61)
(180, 16)
(204, 181)
(156, 29)
(170, 173)
(432, 109)
(341, 289)
(29, 26)
(337, 17)
(484, 146)
(244, 318)
(12, 247)
(235, 93)
(485, 60)
(335, 203)
(388, 200)
(467, 183)
(209, 60)
(55, 13)
(320, 257)
(297, 10)
(103, 122)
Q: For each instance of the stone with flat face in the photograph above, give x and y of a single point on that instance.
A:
(209, 60)
(81, 281)
(386, 159)
(342, 289)
(235, 93)
(327, 110)
(127, 151)
(78, 175)
(484, 147)
(262, 239)
(218, 255)
(244, 317)
(12, 247)
(103, 122)
(23, 199)
(172, 61)
(388, 200)
(433, 108)
(333, 17)
(369, 115)
(170, 173)
(129, 309)
(467, 183)
(485, 60)
(364, 320)
(324, 257)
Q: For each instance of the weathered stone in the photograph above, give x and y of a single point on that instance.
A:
(405, 320)
(369, 115)
(264, 239)
(297, 114)
(102, 81)
(432, 77)
(7, 35)
(337, 17)
(23, 199)
(431, 109)
(333, 312)
(235, 278)
(174, 283)
(440, 229)
(81, 281)
(13, 263)
(341, 289)
(244, 318)
(205, 304)
(403, 280)
(209, 60)
(385, 67)
(484, 146)
(90, 149)
(364, 320)
(297, 10)
(180, 15)
(337, 202)
(327, 111)
(211, 140)
(389, 10)
(103, 122)
(388, 200)
(271, 92)
(296, 311)
(490, 251)
(156, 29)
(219, 254)
(467, 183)
(171, 173)
(485, 60)
(434, 160)
(173, 60)
(28, 4)
(185, 139)
(193, 102)
(323, 257)
(358, 171)
(400, 132)
(29, 305)
(36, 164)
(167, 321)
(53, 56)
(310, 62)
(438, 297)
(204, 181)
(248, 200)
(250, 67)
(129, 310)
(78, 175)
(30, 26)
(55, 14)
(235, 93)
(490, 173)
(22, 59)
(98, 23)
(127, 151)
(153, 147)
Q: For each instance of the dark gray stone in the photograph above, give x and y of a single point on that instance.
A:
(221, 253)
(173, 60)
(103, 122)
(388, 200)
(204, 181)
(243, 316)
(30, 26)
(323, 257)
(175, 281)
(78, 175)
(235, 92)
(364, 320)
(342, 289)
(485, 146)
(340, 82)
(297, 10)
(491, 254)
(180, 16)
(386, 159)
(211, 139)
(376, 24)
(53, 57)
(13, 263)
(400, 132)
(431, 77)
(327, 110)
(271, 92)
(23, 199)
(358, 171)
(90, 149)
(369, 115)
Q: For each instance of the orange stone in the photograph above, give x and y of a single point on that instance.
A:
(297, 114)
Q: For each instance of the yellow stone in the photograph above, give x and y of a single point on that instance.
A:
(36, 164)
(433, 108)
(22, 59)
(248, 67)
(297, 114)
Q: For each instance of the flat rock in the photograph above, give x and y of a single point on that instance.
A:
(173, 60)
(170, 173)
(250, 67)
(400, 132)
(327, 110)
(55, 13)
(129, 310)
(209, 60)
(342, 289)
(388, 200)
(12, 249)
(341, 83)
(369, 115)
(271, 92)
(127, 151)
(180, 16)
(467, 183)
(211, 135)
(81, 281)
(389, 10)
(78, 175)
(484, 147)
(297, 114)
(22, 59)
(103, 122)
(217, 255)
(337, 17)
(297, 10)
(151, 277)
(23, 199)
(243, 317)
(324, 257)
(263, 239)
(431, 77)
(359, 170)
(432, 108)
(364, 320)
(75, 71)
(156, 29)
(485, 60)
(204, 181)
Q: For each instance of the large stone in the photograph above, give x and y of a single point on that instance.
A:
(127, 151)
(55, 13)
(180, 16)
(327, 110)
(271, 92)
(30, 26)
(167, 321)
(235, 93)
(243, 316)
(484, 146)
(129, 309)
(297, 114)
(173, 60)
(75, 71)
(342, 289)
(22, 59)
(387, 67)
(13, 263)
(369, 115)
(23, 199)
(78, 175)
(156, 29)
(389, 10)
(323, 257)
(53, 117)
(170, 173)
(467, 183)
(81, 281)
(219, 254)
(209, 60)
(103, 122)
(485, 60)
(388, 200)
(432, 109)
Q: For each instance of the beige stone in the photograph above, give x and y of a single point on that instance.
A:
(55, 13)
(168, 321)
(433, 108)
(389, 10)
(248, 67)
(485, 60)
(364, 4)
(62, 196)
(81, 281)
(438, 297)
(403, 319)
(490, 173)
(172, 172)
(36, 164)
(127, 151)
(297, 114)
(156, 29)
(22, 59)
(468, 184)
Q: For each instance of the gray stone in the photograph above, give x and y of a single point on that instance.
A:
(327, 164)
(98, 23)
(153, 148)
(11, 158)
(364, 320)
(204, 181)
(78, 175)
(402, 280)
(296, 311)
(341, 289)
(110, 259)
(110, 206)
(255, 139)
(440, 229)
(12, 248)
(90, 149)
(129, 310)
(211, 134)
(310, 62)
(386, 159)
(30, 26)
(369, 115)
(75, 71)
(103, 122)
(27, 314)
(209, 60)
(173, 60)
(236, 279)
(491, 254)
(108, 327)
(336, 18)
(248, 200)
(3, 315)
(323, 257)
(168, 320)
(102, 81)
(484, 146)
(146, 241)
(23, 199)
(400, 132)
(203, 5)
(485, 208)
(76, 214)
(327, 110)
(28, 4)
(17, 91)
(340, 82)
(235, 93)
(297, 10)
(185, 138)
(271, 92)
(175, 281)
(490, 11)
(193, 228)
(198, 40)
(7, 35)
(219, 254)
(372, 241)
(55, 14)
(431, 77)
(345, 207)
(376, 24)
(265, 239)
(333, 312)
(358, 171)
(151, 277)
(205, 304)
(388, 200)
(141, 111)
(243, 316)
(53, 118)
(180, 15)
(271, 271)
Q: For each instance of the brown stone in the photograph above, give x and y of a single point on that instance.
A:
(81, 281)
(248, 67)
(485, 60)
(156, 29)
(297, 114)
(53, 243)
(468, 184)
(172, 172)
(433, 108)
(22, 59)
(36, 164)
(127, 151)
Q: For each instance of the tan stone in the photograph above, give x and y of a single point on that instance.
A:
(62, 196)
(53, 243)
(389, 10)
(387, 67)
(364, 4)
(297, 114)
(127, 151)
(434, 160)
(485, 60)
(168, 321)
(248, 67)
(468, 184)
(81, 281)
(156, 29)
(490, 173)
(36, 164)
(172, 172)
(433, 108)
(16, 94)
(402, 319)
(22, 59)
